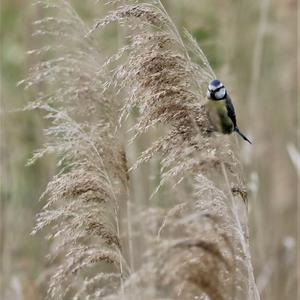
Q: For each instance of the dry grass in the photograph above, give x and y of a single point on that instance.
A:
(196, 246)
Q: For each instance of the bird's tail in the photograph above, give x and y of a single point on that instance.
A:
(236, 129)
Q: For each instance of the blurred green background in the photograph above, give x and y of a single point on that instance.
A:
(252, 45)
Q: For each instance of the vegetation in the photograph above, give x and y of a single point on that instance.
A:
(146, 202)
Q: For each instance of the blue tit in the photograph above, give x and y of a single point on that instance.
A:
(221, 110)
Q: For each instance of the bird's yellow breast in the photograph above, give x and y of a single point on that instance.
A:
(218, 116)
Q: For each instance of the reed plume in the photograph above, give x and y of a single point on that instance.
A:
(196, 245)
(82, 207)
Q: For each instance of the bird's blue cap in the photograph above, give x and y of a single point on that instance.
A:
(214, 84)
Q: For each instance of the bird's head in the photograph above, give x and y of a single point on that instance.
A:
(216, 90)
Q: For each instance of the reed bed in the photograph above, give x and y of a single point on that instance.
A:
(190, 239)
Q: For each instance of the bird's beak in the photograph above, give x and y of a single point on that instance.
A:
(208, 95)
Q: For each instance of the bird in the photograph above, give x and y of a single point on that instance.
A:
(220, 109)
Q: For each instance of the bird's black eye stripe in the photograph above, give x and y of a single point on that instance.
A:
(216, 90)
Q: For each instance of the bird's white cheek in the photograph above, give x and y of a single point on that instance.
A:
(220, 94)
(208, 94)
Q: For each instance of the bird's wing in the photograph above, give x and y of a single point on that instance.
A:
(230, 110)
